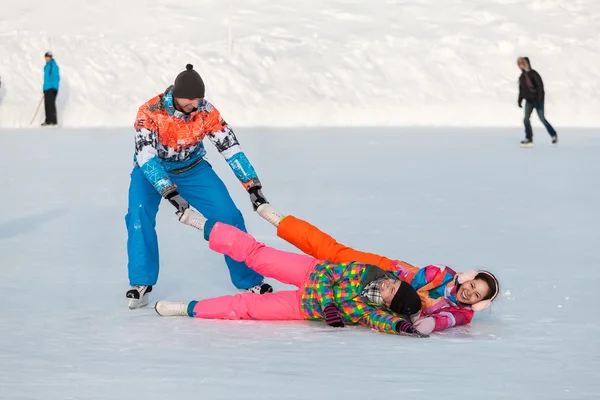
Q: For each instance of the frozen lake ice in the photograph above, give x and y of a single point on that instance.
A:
(465, 198)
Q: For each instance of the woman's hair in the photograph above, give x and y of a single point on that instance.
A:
(492, 283)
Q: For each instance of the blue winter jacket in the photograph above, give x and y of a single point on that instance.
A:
(51, 75)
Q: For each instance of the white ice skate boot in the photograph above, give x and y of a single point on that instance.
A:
(192, 218)
(171, 308)
(270, 214)
(138, 296)
(527, 143)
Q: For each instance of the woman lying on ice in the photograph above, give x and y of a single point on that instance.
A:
(338, 293)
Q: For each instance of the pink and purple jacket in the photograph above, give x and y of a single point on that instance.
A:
(436, 286)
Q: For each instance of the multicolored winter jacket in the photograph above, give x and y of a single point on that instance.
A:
(436, 286)
(168, 141)
(342, 284)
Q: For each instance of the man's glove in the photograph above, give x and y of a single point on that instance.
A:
(519, 103)
(257, 197)
(178, 202)
(333, 317)
(406, 328)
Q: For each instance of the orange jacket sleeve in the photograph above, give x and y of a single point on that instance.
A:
(316, 243)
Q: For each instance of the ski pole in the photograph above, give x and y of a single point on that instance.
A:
(36, 110)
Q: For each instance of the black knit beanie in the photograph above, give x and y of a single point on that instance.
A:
(406, 301)
(189, 84)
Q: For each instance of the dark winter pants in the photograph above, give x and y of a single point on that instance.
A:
(50, 106)
(205, 192)
(540, 112)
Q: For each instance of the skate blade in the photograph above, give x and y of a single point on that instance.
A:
(134, 304)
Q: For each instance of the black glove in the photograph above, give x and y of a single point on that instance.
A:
(406, 328)
(257, 197)
(178, 202)
(333, 317)
(519, 103)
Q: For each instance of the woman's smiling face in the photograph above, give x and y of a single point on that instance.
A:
(472, 291)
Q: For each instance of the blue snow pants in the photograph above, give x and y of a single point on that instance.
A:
(205, 191)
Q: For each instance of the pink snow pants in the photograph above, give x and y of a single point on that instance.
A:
(286, 267)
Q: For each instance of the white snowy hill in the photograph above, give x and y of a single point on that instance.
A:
(326, 62)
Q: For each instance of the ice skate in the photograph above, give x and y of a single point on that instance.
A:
(270, 214)
(526, 143)
(138, 296)
(261, 288)
(171, 308)
(192, 218)
(555, 139)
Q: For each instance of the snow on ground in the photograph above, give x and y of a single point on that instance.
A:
(466, 198)
(310, 62)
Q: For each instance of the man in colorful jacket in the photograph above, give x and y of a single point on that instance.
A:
(51, 84)
(169, 163)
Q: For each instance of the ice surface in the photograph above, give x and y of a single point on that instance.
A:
(310, 62)
(466, 198)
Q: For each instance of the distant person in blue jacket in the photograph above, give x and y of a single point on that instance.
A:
(51, 83)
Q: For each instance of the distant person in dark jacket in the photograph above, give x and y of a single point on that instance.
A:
(51, 83)
(531, 89)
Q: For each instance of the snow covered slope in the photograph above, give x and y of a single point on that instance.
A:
(309, 62)
(464, 198)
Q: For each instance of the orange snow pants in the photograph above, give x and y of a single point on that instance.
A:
(316, 243)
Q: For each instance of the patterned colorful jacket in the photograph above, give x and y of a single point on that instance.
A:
(342, 284)
(436, 286)
(170, 141)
